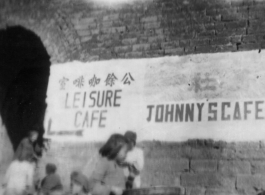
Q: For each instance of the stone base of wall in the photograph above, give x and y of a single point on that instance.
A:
(201, 167)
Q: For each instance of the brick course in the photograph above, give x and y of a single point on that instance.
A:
(203, 167)
(177, 27)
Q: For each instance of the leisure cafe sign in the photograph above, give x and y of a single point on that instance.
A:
(217, 96)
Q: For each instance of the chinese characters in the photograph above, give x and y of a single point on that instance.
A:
(79, 82)
(110, 80)
(203, 83)
(63, 83)
(127, 79)
(94, 81)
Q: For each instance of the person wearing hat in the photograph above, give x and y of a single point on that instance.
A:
(134, 162)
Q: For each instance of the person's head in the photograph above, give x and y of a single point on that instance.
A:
(50, 168)
(115, 148)
(33, 135)
(131, 137)
(79, 183)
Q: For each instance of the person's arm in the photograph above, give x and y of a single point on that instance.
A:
(138, 163)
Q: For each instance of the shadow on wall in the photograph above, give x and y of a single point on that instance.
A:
(24, 74)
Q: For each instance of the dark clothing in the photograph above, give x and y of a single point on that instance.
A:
(51, 168)
(131, 136)
(107, 174)
(25, 151)
(129, 183)
(50, 183)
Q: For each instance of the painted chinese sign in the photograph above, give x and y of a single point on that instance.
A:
(218, 96)
(88, 99)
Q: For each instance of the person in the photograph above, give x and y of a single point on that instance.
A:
(26, 148)
(134, 162)
(51, 184)
(19, 177)
(79, 184)
(108, 176)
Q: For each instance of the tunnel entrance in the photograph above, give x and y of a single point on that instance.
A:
(24, 74)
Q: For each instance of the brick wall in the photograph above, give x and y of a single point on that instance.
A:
(200, 167)
(89, 31)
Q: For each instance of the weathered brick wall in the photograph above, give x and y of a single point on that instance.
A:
(88, 31)
(200, 167)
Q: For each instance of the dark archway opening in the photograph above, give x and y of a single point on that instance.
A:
(24, 73)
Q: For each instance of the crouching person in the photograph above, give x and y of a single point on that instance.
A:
(108, 177)
(51, 184)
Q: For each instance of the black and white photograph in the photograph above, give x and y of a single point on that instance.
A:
(132, 97)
